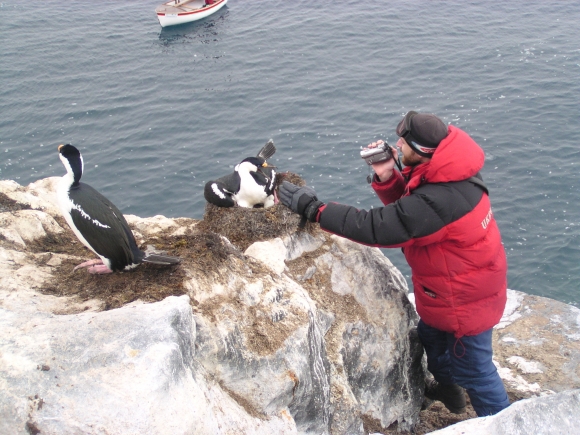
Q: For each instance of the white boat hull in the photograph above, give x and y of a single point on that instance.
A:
(174, 17)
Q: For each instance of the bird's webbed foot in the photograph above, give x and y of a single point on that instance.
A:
(94, 267)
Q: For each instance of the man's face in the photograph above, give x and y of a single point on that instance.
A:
(410, 157)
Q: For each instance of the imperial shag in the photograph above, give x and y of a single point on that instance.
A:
(97, 223)
(252, 184)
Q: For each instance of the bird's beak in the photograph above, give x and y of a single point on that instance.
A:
(60, 146)
(266, 165)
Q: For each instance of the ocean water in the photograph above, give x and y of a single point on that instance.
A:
(158, 112)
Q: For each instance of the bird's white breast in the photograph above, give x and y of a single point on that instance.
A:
(66, 205)
(250, 193)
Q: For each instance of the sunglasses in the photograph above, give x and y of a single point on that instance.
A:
(404, 128)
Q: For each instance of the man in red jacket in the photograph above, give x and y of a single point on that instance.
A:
(438, 211)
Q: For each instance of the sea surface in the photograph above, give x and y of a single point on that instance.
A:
(158, 112)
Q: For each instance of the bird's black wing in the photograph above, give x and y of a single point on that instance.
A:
(103, 226)
(269, 172)
(260, 177)
(219, 192)
(267, 177)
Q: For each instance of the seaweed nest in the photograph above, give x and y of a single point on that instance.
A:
(244, 226)
(200, 253)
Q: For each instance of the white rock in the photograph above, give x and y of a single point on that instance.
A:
(524, 365)
(510, 313)
(549, 415)
(142, 379)
(271, 252)
(24, 226)
(151, 225)
(300, 243)
(38, 195)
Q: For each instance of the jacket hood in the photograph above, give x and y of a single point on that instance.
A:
(458, 157)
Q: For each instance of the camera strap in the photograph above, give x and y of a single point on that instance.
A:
(371, 175)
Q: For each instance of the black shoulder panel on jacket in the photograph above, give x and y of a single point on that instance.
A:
(428, 209)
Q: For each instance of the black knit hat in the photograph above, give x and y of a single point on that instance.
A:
(422, 131)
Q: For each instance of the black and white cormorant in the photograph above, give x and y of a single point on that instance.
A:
(252, 184)
(97, 223)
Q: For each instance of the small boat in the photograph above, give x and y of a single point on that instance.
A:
(184, 11)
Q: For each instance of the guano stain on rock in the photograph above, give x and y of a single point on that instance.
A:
(8, 204)
(319, 287)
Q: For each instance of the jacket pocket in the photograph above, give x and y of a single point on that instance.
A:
(430, 293)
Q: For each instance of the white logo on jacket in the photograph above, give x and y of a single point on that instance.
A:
(486, 219)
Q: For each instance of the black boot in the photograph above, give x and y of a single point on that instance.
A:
(452, 396)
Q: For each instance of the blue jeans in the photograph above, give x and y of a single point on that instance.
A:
(467, 362)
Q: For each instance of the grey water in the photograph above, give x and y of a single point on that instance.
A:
(158, 112)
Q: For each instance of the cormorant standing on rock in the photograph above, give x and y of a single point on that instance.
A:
(97, 223)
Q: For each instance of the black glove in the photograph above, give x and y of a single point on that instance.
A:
(301, 200)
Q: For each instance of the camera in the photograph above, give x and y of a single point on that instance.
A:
(381, 153)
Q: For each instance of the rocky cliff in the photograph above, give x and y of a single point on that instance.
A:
(270, 330)
(261, 329)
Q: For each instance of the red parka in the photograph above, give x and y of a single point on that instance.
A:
(448, 233)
